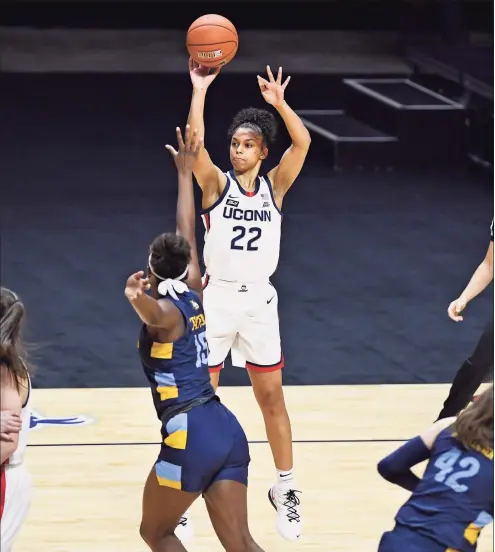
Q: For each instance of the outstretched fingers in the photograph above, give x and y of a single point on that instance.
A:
(191, 143)
(180, 140)
(269, 73)
(263, 83)
(173, 152)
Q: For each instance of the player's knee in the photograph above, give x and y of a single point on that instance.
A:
(271, 401)
(146, 533)
(153, 535)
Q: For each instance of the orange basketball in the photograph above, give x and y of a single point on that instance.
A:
(212, 40)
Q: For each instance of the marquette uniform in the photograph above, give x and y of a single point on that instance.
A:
(242, 247)
(451, 504)
(202, 441)
(15, 498)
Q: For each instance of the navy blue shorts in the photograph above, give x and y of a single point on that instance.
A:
(403, 539)
(201, 446)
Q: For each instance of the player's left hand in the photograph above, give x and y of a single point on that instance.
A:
(273, 90)
(10, 423)
(189, 149)
(136, 285)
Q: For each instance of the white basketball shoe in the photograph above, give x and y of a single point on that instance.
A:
(285, 501)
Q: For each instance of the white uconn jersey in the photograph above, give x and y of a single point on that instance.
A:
(242, 239)
(18, 456)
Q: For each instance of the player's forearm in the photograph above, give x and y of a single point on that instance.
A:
(196, 111)
(298, 133)
(185, 207)
(396, 467)
(481, 278)
(7, 449)
(147, 309)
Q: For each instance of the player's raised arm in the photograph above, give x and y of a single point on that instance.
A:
(162, 314)
(209, 177)
(286, 172)
(185, 158)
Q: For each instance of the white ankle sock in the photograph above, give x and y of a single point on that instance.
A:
(284, 477)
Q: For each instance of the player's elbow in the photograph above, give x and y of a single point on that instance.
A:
(308, 139)
(386, 469)
(303, 142)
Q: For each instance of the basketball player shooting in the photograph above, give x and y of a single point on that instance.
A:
(242, 213)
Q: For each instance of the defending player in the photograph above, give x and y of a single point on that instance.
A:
(204, 449)
(453, 501)
(242, 212)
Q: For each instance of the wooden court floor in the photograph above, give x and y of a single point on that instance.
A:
(88, 478)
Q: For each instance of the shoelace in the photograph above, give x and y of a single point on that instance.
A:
(291, 503)
(183, 521)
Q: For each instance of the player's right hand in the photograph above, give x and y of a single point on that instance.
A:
(455, 309)
(189, 148)
(202, 77)
(10, 423)
(136, 285)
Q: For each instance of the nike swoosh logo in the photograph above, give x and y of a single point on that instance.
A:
(270, 300)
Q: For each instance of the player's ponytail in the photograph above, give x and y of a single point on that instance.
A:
(11, 345)
(474, 426)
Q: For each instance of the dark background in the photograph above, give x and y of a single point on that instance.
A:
(370, 259)
(374, 15)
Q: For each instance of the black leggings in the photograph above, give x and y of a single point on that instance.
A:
(470, 375)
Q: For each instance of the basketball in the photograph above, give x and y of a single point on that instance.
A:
(212, 40)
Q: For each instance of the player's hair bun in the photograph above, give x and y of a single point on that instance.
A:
(257, 119)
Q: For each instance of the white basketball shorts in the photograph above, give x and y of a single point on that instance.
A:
(16, 493)
(242, 318)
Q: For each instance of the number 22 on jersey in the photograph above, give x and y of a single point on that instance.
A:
(245, 238)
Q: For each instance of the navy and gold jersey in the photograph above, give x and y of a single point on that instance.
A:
(178, 372)
(454, 499)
